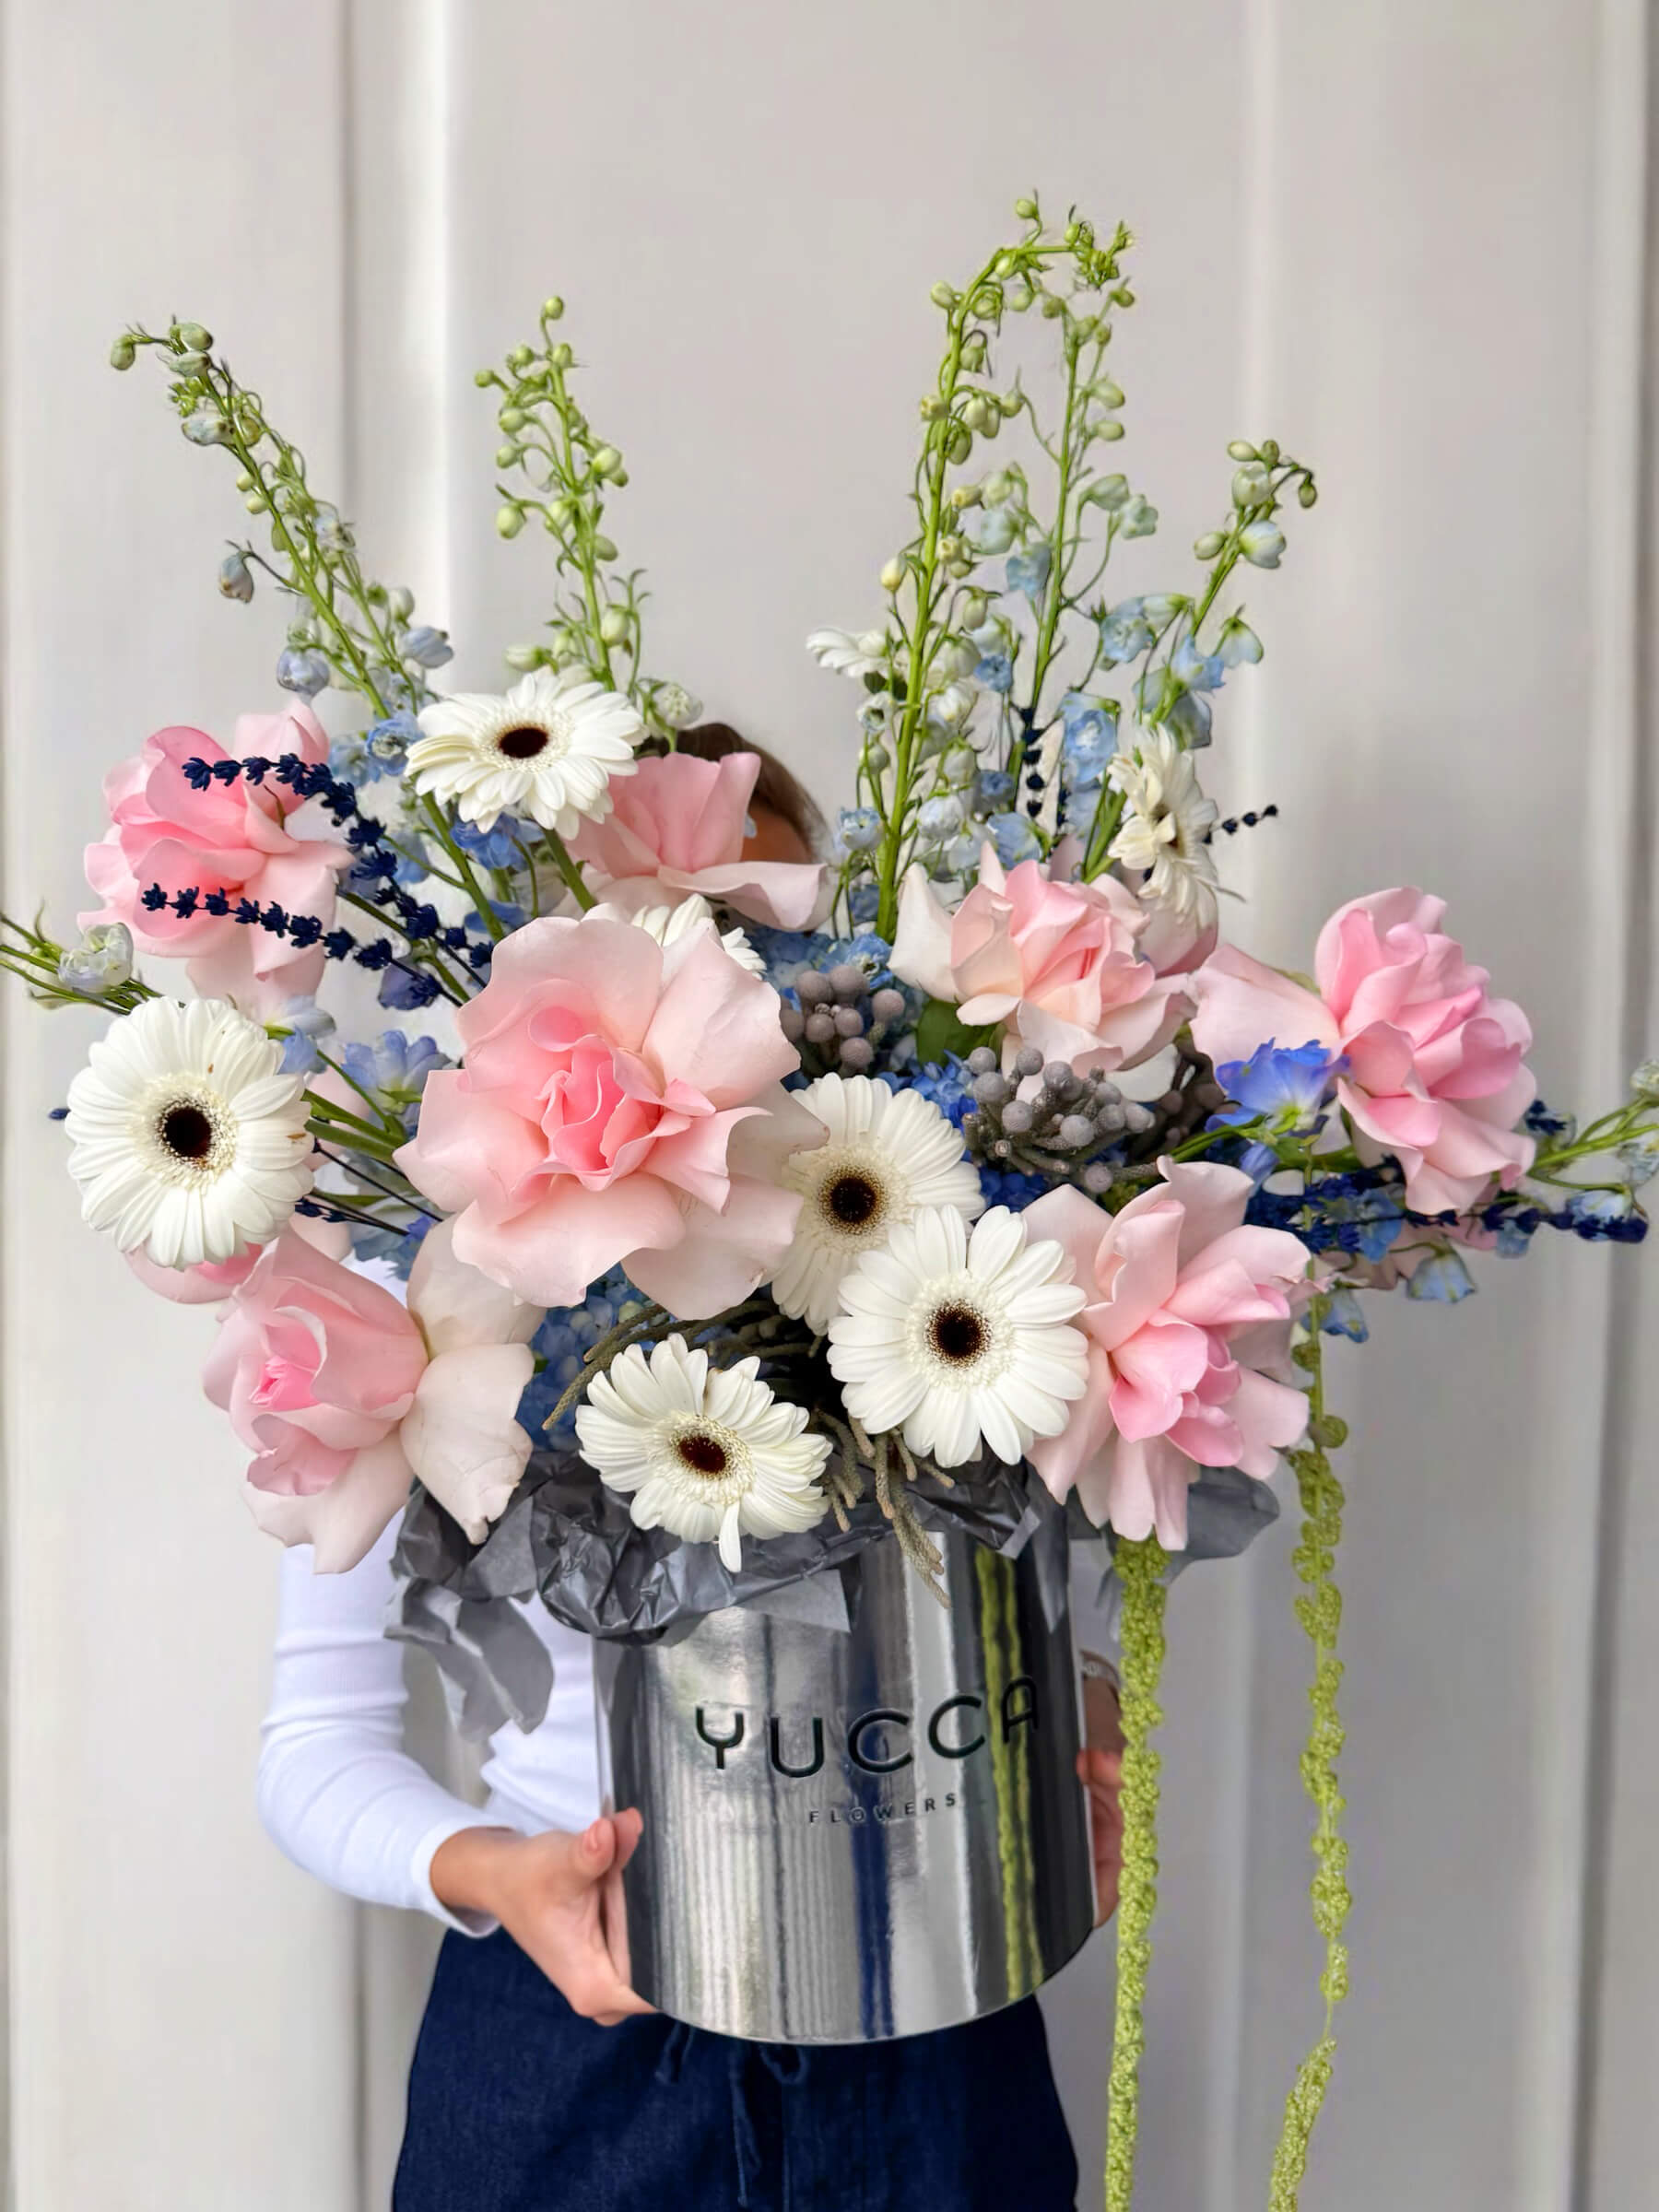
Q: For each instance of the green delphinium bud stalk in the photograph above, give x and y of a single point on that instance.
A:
(123, 352)
(1270, 452)
(507, 456)
(943, 295)
(400, 602)
(1026, 209)
(603, 547)
(512, 418)
(892, 573)
(1240, 449)
(563, 354)
(1209, 544)
(524, 657)
(976, 607)
(552, 309)
(606, 461)
(1110, 430)
(520, 358)
(509, 521)
(930, 406)
(1262, 544)
(1307, 493)
(613, 626)
(1249, 484)
(959, 766)
(1644, 1083)
(997, 486)
(194, 338)
(207, 426)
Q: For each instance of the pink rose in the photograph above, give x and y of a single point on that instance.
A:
(1057, 964)
(206, 1284)
(231, 838)
(343, 1396)
(677, 826)
(1434, 1067)
(1188, 1325)
(618, 1100)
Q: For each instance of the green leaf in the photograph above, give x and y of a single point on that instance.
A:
(939, 1031)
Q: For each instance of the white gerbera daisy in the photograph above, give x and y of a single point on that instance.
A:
(668, 925)
(956, 1337)
(1167, 826)
(548, 750)
(188, 1138)
(845, 654)
(890, 1153)
(704, 1451)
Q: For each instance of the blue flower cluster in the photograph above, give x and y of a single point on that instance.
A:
(567, 1334)
(392, 1070)
(1286, 1085)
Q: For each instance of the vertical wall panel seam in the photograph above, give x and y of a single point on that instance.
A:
(1225, 2186)
(9, 1014)
(1618, 1436)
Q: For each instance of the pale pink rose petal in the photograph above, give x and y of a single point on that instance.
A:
(921, 944)
(458, 1308)
(460, 1435)
(343, 1522)
(1238, 995)
(206, 1284)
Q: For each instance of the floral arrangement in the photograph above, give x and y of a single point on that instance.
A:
(757, 1185)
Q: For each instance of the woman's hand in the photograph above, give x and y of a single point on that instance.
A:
(1100, 1771)
(560, 1897)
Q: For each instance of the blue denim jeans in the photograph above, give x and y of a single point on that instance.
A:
(516, 2105)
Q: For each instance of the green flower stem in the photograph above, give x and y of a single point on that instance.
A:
(1055, 600)
(931, 501)
(1318, 1610)
(1140, 1570)
(566, 868)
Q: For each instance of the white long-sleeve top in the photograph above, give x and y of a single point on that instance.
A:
(340, 1794)
(338, 1791)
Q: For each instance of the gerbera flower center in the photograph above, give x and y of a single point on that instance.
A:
(191, 1131)
(852, 1199)
(705, 1454)
(524, 742)
(957, 1334)
(187, 1131)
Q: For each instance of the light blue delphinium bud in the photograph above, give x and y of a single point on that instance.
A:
(207, 426)
(1644, 1083)
(303, 671)
(1262, 544)
(1124, 632)
(1028, 572)
(427, 647)
(859, 828)
(1199, 671)
(938, 819)
(865, 902)
(1344, 1317)
(962, 854)
(1640, 1157)
(1013, 839)
(101, 962)
(308, 1023)
(1239, 644)
(1136, 517)
(959, 766)
(993, 788)
(995, 672)
(386, 746)
(994, 529)
(1109, 492)
(1441, 1278)
(1258, 1161)
(235, 577)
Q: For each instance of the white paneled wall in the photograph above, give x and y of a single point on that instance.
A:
(1408, 239)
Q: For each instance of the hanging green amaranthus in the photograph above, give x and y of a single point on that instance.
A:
(1319, 1610)
(1140, 1569)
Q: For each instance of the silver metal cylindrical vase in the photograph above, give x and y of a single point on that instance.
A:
(855, 1832)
